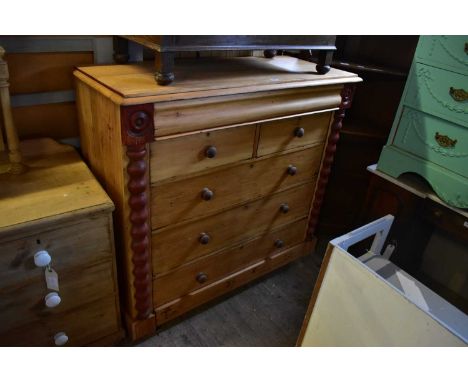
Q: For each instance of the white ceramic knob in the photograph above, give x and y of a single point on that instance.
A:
(42, 258)
(52, 299)
(60, 339)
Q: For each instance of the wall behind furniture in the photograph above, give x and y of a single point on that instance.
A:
(41, 80)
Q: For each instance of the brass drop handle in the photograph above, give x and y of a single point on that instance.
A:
(211, 152)
(204, 238)
(459, 95)
(201, 277)
(445, 141)
(299, 132)
(207, 194)
(279, 243)
(292, 170)
(284, 208)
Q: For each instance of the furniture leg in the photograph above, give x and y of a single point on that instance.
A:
(324, 61)
(164, 62)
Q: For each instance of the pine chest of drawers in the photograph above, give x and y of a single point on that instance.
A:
(429, 136)
(56, 218)
(217, 179)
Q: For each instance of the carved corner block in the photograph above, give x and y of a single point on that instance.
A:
(347, 94)
(137, 132)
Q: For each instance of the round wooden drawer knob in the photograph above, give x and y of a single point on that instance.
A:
(60, 339)
(299, 132)
(207, 194)
(279, 243)
(211, 152)
(204, 238)
(284, 208)
(42, 259)
(292, 170)
(201, 277)
(52, 300)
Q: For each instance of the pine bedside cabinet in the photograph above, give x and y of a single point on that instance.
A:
(217, 179)
(58, 280)
(429, 136)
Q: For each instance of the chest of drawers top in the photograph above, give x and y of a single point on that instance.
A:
(58, 186)
(197, 78)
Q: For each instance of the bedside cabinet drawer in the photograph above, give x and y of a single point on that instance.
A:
(434, 139)
(195, 152)
(180, 244)
(208, 194)
(72, 246)
(290, 133)
(20, 306)
(438, 92)
(208, 269)
(450, 52)
(82, 326)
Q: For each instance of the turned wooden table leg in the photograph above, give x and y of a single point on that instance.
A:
(121, 55)
(164, 62)
(13, 145)
(324, 61)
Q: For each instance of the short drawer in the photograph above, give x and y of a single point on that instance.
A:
(81, 244)
(450, 52)
(83, 325)
(434, 139)
(439, 92)
(182, 200)
(289, 133)
(20, 306)
(177, 245)
(204, 271)
(188, 154)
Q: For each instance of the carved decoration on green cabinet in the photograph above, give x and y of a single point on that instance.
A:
(425, 74)
(445, 150)
(441, 40)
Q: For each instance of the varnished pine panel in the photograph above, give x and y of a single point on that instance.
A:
(280, 135)
(20, 305)
(45, 71)
(76, 245)
(179, 244)
(187, 154)
(181, 200)
(83, 325)
(198, 297)
(190, 115)
(54, 120)
(184, 279)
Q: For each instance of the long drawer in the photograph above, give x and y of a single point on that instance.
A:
(198, 297)
(182, 200)
(82, 325)
(203, 271)
(84, 243)
(289, 133)
(19, 306)
(177, 245)
(202, 150)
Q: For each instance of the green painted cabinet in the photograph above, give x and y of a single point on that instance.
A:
(430, 131)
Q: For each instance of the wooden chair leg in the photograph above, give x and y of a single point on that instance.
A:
(14, 152)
